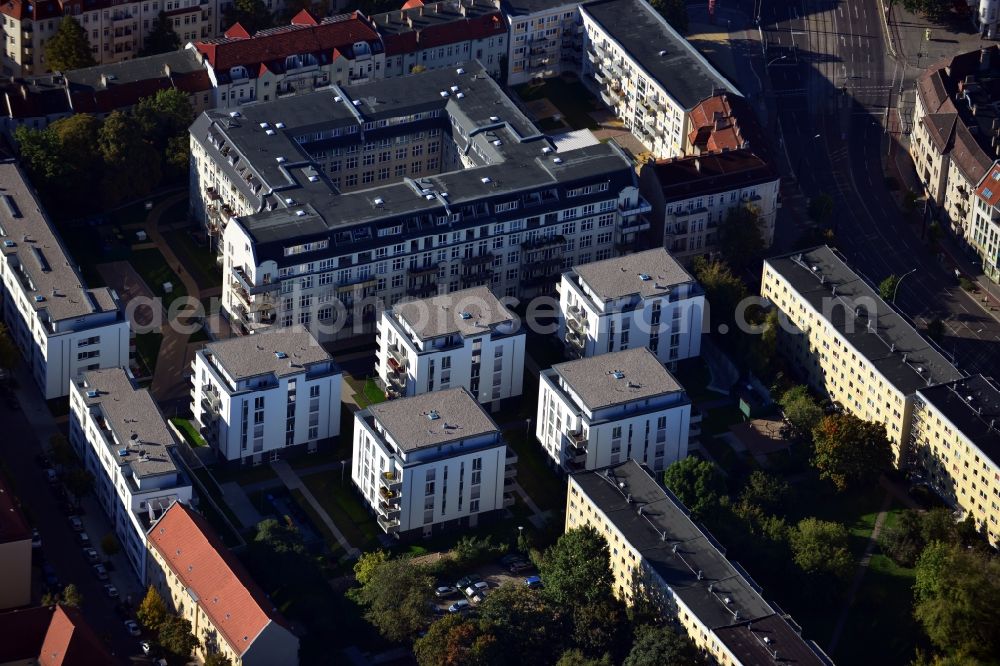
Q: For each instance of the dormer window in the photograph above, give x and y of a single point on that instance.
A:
(238, 72)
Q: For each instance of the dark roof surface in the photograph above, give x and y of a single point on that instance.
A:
(13, 525)
(972, 405)
(708, 174)
(770, 641)
(526, 7)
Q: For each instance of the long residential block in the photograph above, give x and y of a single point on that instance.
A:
(129, 450)
(62, 328)
(646, 299)
(659, 553)
(431, 462)
(466, 338)
(260, 396)
(602, 410)
(849, 344)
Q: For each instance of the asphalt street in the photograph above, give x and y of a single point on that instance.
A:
(832, 81)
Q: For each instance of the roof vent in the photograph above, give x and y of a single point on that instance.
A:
(444, 93)
(546, 150)
(313, 179)
(234, 114)
(644, 277)
(433, 415)
(460, 95)
(494, 119)
(289, 201)
(663, 53)
(300, 213)
(337, 98)
(429, 197)
(280, 125)
(460, 71)
(92, 393)
(557, 160)
(123, 452)
(356, 102)
(497, 142)
(264, 125)
(280, 354)
(486, 180)
(39, 298)
(379, 201)
(454, 89)
(9, 243)
(269, 132)
(465, 315)
(618, 374)
(728, 601)
(279, 160)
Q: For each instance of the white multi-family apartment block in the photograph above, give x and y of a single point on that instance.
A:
(602, 410)
(645, 299)
(646, 72)
(849, 344)
(431, 462)
(256, 397)
(546, 38)
(62, 328)
(329, 204)
(127, 447)
(465, 338)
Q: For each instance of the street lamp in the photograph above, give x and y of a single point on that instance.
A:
(899, 282)
(775, 60)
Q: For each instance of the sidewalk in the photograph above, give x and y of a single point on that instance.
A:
(292, 481)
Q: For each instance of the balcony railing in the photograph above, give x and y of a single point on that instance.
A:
(389, 525)
(636, 209)
(390, 481)
(389, 496)
(397, 355)
(574, 339)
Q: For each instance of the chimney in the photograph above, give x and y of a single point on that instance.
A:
(421, 11)
(984, 59)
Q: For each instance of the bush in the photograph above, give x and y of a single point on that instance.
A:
(471, 551)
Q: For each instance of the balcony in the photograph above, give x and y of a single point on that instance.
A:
(389, 525)
(544, 243)
(508, 500)
(576, 326)
(428, 269)
(244, 281)
(422, 290)
(398, 380)
(511, 457)
(389, 496)
(480, 260)
(575, 339)
(390, 481)
(388, 510)
(398, 356)
(636, 209)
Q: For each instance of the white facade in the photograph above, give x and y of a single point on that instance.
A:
(651, 425)
(126, 445)
(256, 396)
(544, 41)
(62, 328)
(466, 338)
(430, 462)
(639, 300)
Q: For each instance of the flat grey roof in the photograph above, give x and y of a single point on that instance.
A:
(746, 640)
(277, 351)
(640, 30)
(889, 342)
(670, 542)
(624, 276)
(467, 312)
(132, 414)
(409, 420)
(528, 7)
(617, 377)
(183, 61)
(972, 404)
(39, 251)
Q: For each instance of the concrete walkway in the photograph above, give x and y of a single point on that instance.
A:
(538, 517)
(292, 481)
(236, 499)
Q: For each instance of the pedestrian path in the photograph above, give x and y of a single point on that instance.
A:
(292, 481)
(237, 500)
(538, 517)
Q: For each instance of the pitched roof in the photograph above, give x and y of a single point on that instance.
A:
(424, 26)
(237, 608)
(989, 188)
(70, 641)
(725, 122)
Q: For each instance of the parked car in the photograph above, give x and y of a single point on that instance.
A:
(91, 555)
(519, 567)
(36, 539)
(510, 558)
(84, 538)
(132, 628)
(51, 476)
(471, 579)
(459, 606)
(111, 590)
(476, 588)
(145, 647)
(444, 591)
(76, 523)
(100, 572)
(533, 582)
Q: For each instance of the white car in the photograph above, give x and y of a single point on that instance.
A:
(76, 524)
(91, 555)
(100, 572)
(111, 590)
(459, 606)
(476, 589)
(133, 628)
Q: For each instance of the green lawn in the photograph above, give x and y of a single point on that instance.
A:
(345, 508)
(197, 259)
(366, 391)
(570, 96)
(191, 435)
(717, 421)
(331, 541)
(147, 348)
(153, 268)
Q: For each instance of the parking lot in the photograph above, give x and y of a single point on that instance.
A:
(494, 575)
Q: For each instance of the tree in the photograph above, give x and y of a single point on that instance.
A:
(575, 657)
(674, 12)
(69, 48)
(161, 37)
(903, 541)
(659, 645)
(457, 641)
(577, 569)
(79, 482)
(935, 329)
(740, 240)
(217, 659)
(253, 15)
(396, 597)
(932, 9)
(530, 626)
(821, 208)
(764, 490)
(109, 544)
(801, 410)
(132, 165)
(820, 547)
(850, 451)
(723, 291)
(601, 627)
(957, 601)
(279, 537)
(175, 636)
(887, 288)
(366, 565)
(77, 136)
(71, 596)
(696, 482)
(40, 153)
(152, 611)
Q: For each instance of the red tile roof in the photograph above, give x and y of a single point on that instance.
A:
(238, 48)
(238, 609)
(989, 189)
(721, 123)
(409, 4)
(13, 526)
(430, 29)
(70, 641)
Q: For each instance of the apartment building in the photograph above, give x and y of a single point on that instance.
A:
(956, 447)
(984, 228)
(443, 34)
(116, 30)
(15, 551)
(246, 393)
(465, 338)
(308, 53)
(955, 124)
(645, 299)
(646, 72)
(62, 328)
(54, 635)
(431, 462)
(658, 551)
(127, 447)
(546, 39)
(599, 411)
(338, 201)
(848, 343)
(204, 583)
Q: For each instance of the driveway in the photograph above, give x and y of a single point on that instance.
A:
(120, 276)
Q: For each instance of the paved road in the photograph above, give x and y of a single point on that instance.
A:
(831, 80)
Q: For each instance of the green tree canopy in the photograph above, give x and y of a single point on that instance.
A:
(935, 329)
(61, 450)
(849, 451)
(530, 626)
(820, 547)
(280, 537)
(662, 646)
(71, 596)
(696, 482)
(801, 410)
(161, 37)
(109, 544)
(217, 659)
(253, 15)
(79, 482)
(935, 10)
(576, 657)
(740, 239)
(601, 627)
(152, 611)
(764, 490)
(887, 287)
(368, 563)
(8, 349)
(723, 291)
(69, 48)
(396, 597)
(176, 637)
(132, 165)
(457, 641)
(576, 570)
